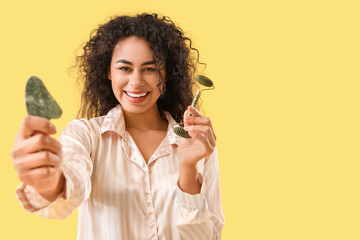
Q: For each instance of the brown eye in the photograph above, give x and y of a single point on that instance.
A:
(126, 69)
(149, 69)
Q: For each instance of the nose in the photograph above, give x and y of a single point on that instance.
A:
(136, 79)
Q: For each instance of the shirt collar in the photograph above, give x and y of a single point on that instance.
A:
(115, 121)
(173, 138)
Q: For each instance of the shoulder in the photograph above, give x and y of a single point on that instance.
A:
(89, 124)
(84, 126)
(81, 134)
(94, 127)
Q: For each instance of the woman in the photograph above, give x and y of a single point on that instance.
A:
(130, 176)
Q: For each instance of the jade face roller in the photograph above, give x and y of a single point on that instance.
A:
(204, 81)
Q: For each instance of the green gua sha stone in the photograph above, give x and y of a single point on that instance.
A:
(39, 101)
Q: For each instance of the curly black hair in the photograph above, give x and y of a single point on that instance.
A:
(171, 49)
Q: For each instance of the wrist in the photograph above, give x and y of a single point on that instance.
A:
(52, 194)
(189, 181)
(188, 165)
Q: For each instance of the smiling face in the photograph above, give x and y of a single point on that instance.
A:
(134, 76)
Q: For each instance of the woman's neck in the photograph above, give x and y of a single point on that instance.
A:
(149, 120)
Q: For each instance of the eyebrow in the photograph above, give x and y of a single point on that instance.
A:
(130, 63)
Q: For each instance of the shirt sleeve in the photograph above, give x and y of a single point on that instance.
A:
(76, 165)
(200, 216)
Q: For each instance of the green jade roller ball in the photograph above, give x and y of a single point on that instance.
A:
(204, 81)
(39, 101)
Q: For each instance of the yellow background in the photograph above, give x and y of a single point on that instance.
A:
(285, 107)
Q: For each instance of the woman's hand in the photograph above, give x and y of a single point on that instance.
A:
(203, 140)
(201, 144)
(37, 157)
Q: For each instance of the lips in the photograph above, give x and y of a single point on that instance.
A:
(136, 97)
(137, 94)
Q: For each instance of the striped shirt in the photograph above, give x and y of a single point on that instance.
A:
(119, 195)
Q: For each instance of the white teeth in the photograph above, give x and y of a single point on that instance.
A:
(136, 95)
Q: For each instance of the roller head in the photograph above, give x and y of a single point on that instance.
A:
(181, 132)
(205, 81)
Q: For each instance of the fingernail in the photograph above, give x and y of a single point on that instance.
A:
(186, 128)
(52, 126)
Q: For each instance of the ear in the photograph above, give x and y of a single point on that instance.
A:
(109, 74)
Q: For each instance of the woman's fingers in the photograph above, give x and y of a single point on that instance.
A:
(33, 124)
(201, 121)
(36, 143)
(207, 144)
(37, 160)
(197, 118)
(37, 156)
(194, 112)
(185, 116)
(197, 131)
(203, 139)
(190, 111)
(41, 178)
(200, 128)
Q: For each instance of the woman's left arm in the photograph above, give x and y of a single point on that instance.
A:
(200, 214)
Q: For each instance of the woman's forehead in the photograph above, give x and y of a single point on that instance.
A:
(133, 49)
